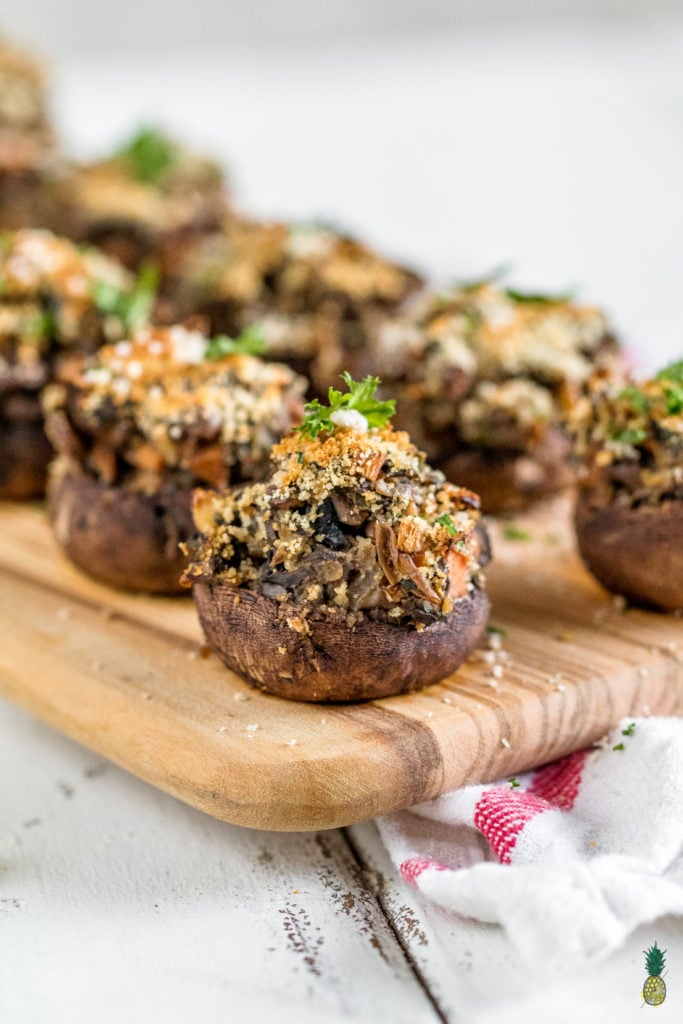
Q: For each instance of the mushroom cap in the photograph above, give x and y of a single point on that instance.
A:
(24, 456)
(634, 551)
(122, 537)
(509, 482)
(314, 655)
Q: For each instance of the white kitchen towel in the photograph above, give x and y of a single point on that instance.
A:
(570, 860)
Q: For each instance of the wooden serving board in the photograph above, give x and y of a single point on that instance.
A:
(128, 677)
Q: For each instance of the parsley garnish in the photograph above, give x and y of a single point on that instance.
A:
(149, 154)
(631, 435)
(673, 373)
(629, 730)
(497, 630)
(538, 297)
(448, 523)
(360, 396)
(512, 532)
(132, 307)
(618, 746)
(249, 343)
(514, 783)
(674, 401)
(43, 325)
(636, 399)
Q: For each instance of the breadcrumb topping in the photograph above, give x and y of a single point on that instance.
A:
(47, 302)
(157, 403)
(303, 283)
(487, 368)
(348, 520)
(631, 439)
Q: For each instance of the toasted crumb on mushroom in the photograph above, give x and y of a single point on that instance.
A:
(629, 513)
(141, 424)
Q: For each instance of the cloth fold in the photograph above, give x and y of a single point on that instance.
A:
(569, 858)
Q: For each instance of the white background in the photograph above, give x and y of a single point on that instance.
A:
(455, 135)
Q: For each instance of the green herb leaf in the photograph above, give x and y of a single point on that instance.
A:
(619, 746)
(630, 435)
(538, 297)
(629, 730)
(249, 343)
(636, 399)
(512, 532)
(514, 783)
(673, 373)
(497, 629)
(133, 307)
(448, 523)
(360, 396)
(149, 154)
(674, 400)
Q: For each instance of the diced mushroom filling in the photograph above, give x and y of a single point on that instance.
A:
(349, 522)
(631, 440)
(160, 405)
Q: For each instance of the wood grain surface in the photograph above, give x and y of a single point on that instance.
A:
(127, 676)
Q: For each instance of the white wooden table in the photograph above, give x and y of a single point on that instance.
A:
(566, 155)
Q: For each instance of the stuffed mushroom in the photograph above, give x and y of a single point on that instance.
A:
(353, 571)
(51, 307)
(140, 425)
(31, 168)
(629, 513)
(310, 288)
(486, 377)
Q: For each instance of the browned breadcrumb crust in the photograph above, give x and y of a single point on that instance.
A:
(305, 285)
(476, 368)
(349, 521)
(485, 378)
(154, 405)
(630, 441)
(47, 303)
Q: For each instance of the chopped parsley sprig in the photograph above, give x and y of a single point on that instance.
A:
(540, 298)
(132, 306)
(149, 154)
(672, 377)
(448, 524)
(360, 397)
(249, 343)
